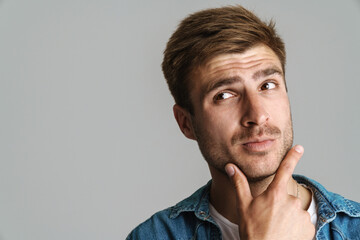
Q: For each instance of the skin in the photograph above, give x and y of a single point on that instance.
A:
(245, 121)
(242, 123)
(274, 214)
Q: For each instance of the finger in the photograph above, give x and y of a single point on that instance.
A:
(287, 167)
(241, 185)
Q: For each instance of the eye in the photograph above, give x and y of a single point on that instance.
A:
(268, 86)
(223, 96)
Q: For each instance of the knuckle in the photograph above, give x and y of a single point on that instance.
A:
(288, 165)
(308, 217)
(311, 231)
(237, 183)
(275, 195)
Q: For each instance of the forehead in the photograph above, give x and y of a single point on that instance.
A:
(245, 65)
(252, 64)
(251, 59)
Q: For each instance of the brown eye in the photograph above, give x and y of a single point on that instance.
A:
(268, 86)
(222, 96)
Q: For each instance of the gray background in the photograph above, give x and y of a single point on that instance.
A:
(88, 144)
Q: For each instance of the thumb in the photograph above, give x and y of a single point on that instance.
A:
(241, 185)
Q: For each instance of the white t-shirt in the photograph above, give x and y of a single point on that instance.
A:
(230, 231)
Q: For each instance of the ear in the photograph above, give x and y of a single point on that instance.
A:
(183, 119)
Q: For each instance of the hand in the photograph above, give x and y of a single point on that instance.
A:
(274, 214)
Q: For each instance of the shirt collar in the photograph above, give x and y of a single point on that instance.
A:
(329, 203)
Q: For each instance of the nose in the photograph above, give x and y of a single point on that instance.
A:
(254, 111)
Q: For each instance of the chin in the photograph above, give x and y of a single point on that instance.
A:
(258, 178)
(259, 167)
(253, 173)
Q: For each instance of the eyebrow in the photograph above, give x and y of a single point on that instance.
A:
(219, 83)
(228, 81)
(267, 72)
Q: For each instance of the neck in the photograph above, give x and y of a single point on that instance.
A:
(223, 198)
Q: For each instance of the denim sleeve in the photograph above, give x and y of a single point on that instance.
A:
(146, 230)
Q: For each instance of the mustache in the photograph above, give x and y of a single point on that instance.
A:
(253, 132)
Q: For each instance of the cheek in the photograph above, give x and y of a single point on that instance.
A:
(221, 123)
(280, 110)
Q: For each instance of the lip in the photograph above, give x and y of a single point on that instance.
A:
(259, 145)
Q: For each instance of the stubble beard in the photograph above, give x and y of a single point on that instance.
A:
(218, 155)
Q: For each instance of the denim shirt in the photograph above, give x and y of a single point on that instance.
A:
(338, 218)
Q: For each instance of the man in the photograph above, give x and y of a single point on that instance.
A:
(226, 71)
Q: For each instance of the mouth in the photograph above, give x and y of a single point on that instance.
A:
(259, 145)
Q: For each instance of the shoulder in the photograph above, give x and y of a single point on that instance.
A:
(170, 223)
(152, 228)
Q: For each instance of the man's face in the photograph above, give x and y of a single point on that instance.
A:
(242, 112)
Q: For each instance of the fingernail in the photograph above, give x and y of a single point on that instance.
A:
(299, 149)
(229, 170)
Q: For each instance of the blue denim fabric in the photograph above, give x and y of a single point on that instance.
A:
(338, 218)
